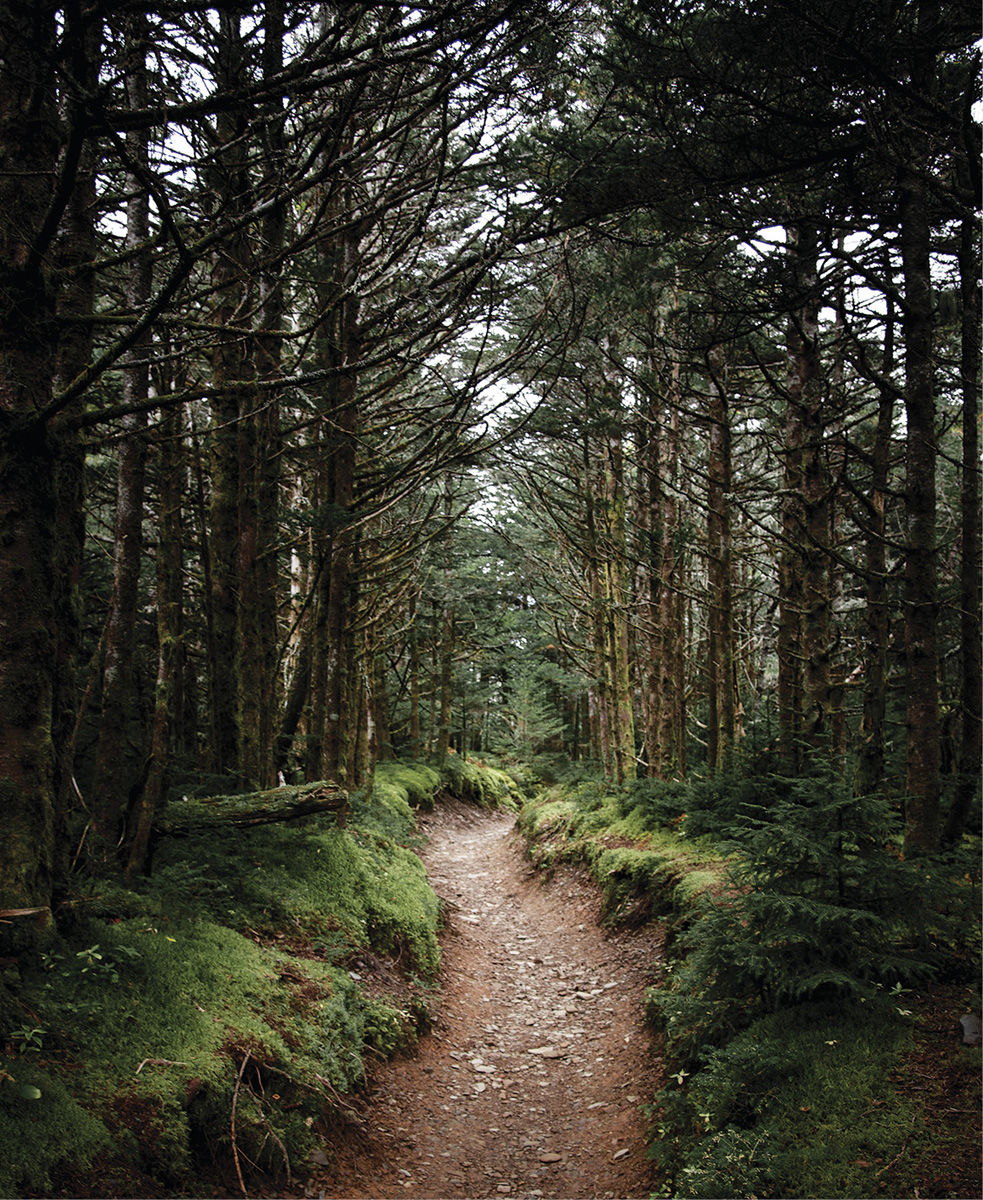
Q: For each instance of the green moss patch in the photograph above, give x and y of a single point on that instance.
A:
(643, 870)
(219, 1012)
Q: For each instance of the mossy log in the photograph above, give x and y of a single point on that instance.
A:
(253, 808)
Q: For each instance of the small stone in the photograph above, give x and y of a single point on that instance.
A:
(550, 1156)
(504, 1188)
(971, 1030)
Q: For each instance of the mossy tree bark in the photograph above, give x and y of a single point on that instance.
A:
(168, 697)
(29, 148)
(721, 697)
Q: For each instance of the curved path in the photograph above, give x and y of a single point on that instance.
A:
(533, 1080)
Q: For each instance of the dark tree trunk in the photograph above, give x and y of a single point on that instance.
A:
(76, 252)
(971, 682)
(168, 704)
(231, 444)
(120, 752)
(877, 631)
(816, 588)
(921, 616)
(28, 646)
(721, 722)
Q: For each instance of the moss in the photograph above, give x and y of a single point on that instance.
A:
(643, 870)
(418, 782)
(799, 1105)
(478, 783)
(38, 1133)
(226, 976)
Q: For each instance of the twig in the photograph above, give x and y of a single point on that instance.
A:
(900, 1153)
(338, 1100)
(158, 1062)
(232, 1125)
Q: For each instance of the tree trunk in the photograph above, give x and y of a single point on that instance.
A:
(791, 577)
(75, 254)
(446, 692)
(259, 462)
(869, 777)
(721, 722)
(29, 151)
(807, 393)
(170, 643)
(923, 759)
(416, 732)
(651, 541)
(971, 682)
(616, 576)
(120, 752)
(232, 449)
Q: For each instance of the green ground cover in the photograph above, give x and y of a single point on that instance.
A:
(215, 1014)
(794, 931)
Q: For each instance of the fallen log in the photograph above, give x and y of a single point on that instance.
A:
(253, 808)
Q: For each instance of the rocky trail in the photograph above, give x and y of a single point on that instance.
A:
(532, 1082)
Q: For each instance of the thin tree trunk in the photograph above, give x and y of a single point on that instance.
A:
(816, 594)
(170, 643)
(923, 760)
(721, 722)
(791, 590)
(120, 752)
(970, 635)
(877, 631)
(615, 578)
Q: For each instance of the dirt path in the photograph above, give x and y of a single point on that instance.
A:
(532, 1081)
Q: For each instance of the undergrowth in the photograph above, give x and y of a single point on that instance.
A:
(218, 1014)
(794, 929)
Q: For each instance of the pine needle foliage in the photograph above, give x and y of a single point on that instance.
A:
(816, 906)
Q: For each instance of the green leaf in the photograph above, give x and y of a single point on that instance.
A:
(27, 1091)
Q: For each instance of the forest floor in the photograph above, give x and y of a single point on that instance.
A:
(532, 1081)
(534, 1077)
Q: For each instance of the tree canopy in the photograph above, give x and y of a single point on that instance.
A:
(590, 382)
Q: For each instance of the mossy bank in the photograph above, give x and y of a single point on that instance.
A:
(797, 939)
(217, 1017)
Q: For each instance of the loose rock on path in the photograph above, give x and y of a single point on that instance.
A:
(532, 1081)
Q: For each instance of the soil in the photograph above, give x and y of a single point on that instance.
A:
(533, 1080)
